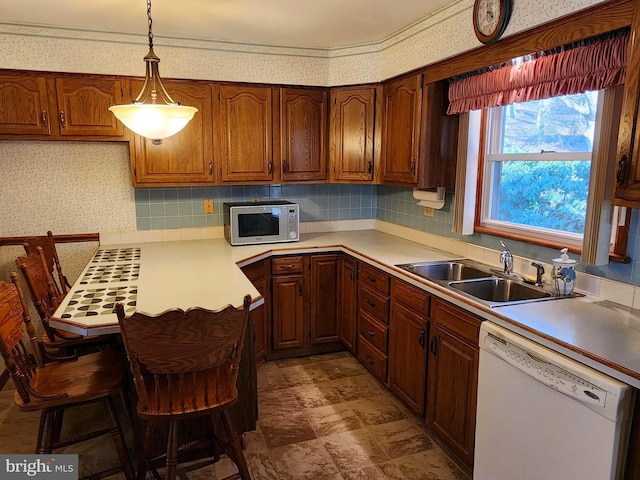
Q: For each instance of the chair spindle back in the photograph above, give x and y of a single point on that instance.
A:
(41, 286)
(48, 246)
(184, 361)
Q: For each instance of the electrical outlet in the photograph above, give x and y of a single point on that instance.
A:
(429, 212)
(208, 206)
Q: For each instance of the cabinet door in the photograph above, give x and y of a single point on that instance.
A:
(352, 132)
(243, 128)
(24, 106)
(627, 188)
(348, 303)
(401, 130)
(324, 298)
(83, 106)
(452, 391)
(288, 311)
(303, 130)
(408, 356)
(184, 158)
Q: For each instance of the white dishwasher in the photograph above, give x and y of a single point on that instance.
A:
(542, 415)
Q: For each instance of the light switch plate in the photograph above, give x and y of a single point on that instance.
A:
(208, 206)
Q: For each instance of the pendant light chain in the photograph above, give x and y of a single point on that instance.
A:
(150, 24)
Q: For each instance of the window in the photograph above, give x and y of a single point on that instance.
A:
(535, 174)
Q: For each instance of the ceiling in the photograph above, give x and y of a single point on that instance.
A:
(295, 23)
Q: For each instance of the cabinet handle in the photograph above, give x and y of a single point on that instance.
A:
(622, 175)
(43, 117)
(287, 267)
(300, 286)
(370, 303)
(413, 166)
(270, 167)
(370, 167)
(285, 166)
(369, 360)
(372, 279)
(352, 276)
(210, 167)
(421, 338)
(370, 333)
(63, 122)
(433, 346)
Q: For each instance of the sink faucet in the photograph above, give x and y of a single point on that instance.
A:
(506, 258)
(539, 273)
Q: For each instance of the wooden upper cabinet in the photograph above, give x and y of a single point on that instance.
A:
(60, 107)
(83, 106)
(243, 133)
(419, 138)
(353, 140)
(184, 158)
(303, 130)
(24, 106)
(627, 181)
(401, 130)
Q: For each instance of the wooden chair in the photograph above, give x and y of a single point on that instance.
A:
(48, 246)
(185, 365)
(55, 387)
(46, 299)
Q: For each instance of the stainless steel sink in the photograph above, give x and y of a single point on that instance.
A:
(500, 290)
(446, 271)
(480, 282)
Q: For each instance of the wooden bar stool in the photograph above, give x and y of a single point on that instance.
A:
(48, 245)
(185, 365)
(46, 299)
(55, 387)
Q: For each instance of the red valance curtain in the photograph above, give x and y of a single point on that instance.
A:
(573, 70)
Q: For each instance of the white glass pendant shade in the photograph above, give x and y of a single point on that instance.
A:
(154, 121)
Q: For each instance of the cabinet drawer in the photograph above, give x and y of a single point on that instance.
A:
(375, 304)
(457, 321)
(282, 265)
(411, 296)
(371, 358)
(374, 332)
(374, 278)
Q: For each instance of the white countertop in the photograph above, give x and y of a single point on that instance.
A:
(206, 273)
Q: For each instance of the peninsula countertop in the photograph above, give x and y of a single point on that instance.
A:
(207, 274)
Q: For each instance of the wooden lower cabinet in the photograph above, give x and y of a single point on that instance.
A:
(373, 320)
(453, 378)
(408, 331)
(257, 274)
(304, 305)
(288, 311)
(348, 303)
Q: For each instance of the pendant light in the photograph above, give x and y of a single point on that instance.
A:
(146, 117)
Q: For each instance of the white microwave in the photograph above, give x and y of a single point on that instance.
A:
(249, 223)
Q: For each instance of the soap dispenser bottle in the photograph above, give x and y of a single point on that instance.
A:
(563, 274)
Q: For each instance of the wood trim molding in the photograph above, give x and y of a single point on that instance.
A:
(602, 18)
(71, 238)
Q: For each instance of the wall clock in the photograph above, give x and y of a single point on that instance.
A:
(490, 18)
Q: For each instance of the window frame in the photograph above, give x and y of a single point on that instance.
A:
(491, 122)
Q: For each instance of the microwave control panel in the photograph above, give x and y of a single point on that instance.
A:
(293, 222)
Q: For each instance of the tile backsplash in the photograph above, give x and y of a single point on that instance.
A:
(183, 207)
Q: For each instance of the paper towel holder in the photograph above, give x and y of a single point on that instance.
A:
(432, 198)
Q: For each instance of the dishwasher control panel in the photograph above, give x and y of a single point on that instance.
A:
(544, 371)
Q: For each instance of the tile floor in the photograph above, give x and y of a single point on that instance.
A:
(322, 418)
